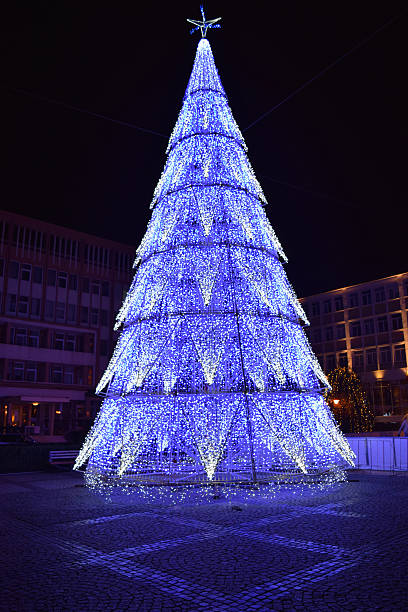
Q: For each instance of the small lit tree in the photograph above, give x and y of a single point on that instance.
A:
(349, 402)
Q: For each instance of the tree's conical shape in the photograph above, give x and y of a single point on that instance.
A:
(212, 376)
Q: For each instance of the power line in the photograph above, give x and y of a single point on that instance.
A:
(326, 69)
(82, 110)
(318, 194)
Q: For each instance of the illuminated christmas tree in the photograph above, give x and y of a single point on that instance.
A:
(212, 378)
(349, 402)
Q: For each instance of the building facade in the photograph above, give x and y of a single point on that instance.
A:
(364, 327)
(59, 293)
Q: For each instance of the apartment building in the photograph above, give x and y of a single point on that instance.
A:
(364, 327)
(59, 293)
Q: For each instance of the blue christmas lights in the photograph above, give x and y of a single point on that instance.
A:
(212, 378)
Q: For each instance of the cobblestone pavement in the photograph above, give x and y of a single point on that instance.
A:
(66, 549)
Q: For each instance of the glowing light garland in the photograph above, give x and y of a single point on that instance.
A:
(212, 379)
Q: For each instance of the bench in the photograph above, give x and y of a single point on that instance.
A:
(63, 457)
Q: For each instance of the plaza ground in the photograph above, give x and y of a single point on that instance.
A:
(66, 549)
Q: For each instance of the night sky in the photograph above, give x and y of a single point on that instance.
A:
(331, 161)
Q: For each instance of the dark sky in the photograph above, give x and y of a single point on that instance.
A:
(331, 161)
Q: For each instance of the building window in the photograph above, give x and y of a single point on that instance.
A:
(371, 359)
(56, 374)
(11, 303)
(34, 338)
(105, 289)
(49, 309)
(23, 305)
(62, 280)
(355, 329)
(84, 314)
(16, 370)
(25, 272)
(382, 324)
(315, 309)
(400, 358)
(31, 371)
(73, 282)
(104, 318)
(385, 357)
(18, 336)
(369, 326)
(327, 306)
(104, 347)
(37, 275)
(366, 297)
(51, 278)
(317, 335)
(68, 375)
(94, 316)
(59, 342)
(60, 311)
(71, 315)
(95, 288)
(380, 294)
(35, 307)
(70, 343)
(329, 333)
(358, 361)
(85, 285)
(353, 300)
(396, 321)
(330, 362)
(393, 292)
(343, 361)
(338, 302)
(13, 269)
(340, 331)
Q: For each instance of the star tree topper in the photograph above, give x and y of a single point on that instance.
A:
(204, 24)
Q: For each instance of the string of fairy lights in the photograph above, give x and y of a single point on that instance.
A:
(212, 379)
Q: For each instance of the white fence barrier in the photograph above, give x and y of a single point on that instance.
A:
(380, 453)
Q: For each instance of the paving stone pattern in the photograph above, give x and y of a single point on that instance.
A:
(64, 548)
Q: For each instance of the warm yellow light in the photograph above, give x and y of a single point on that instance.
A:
(336, 401)
(35, 403)
(58, 412)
